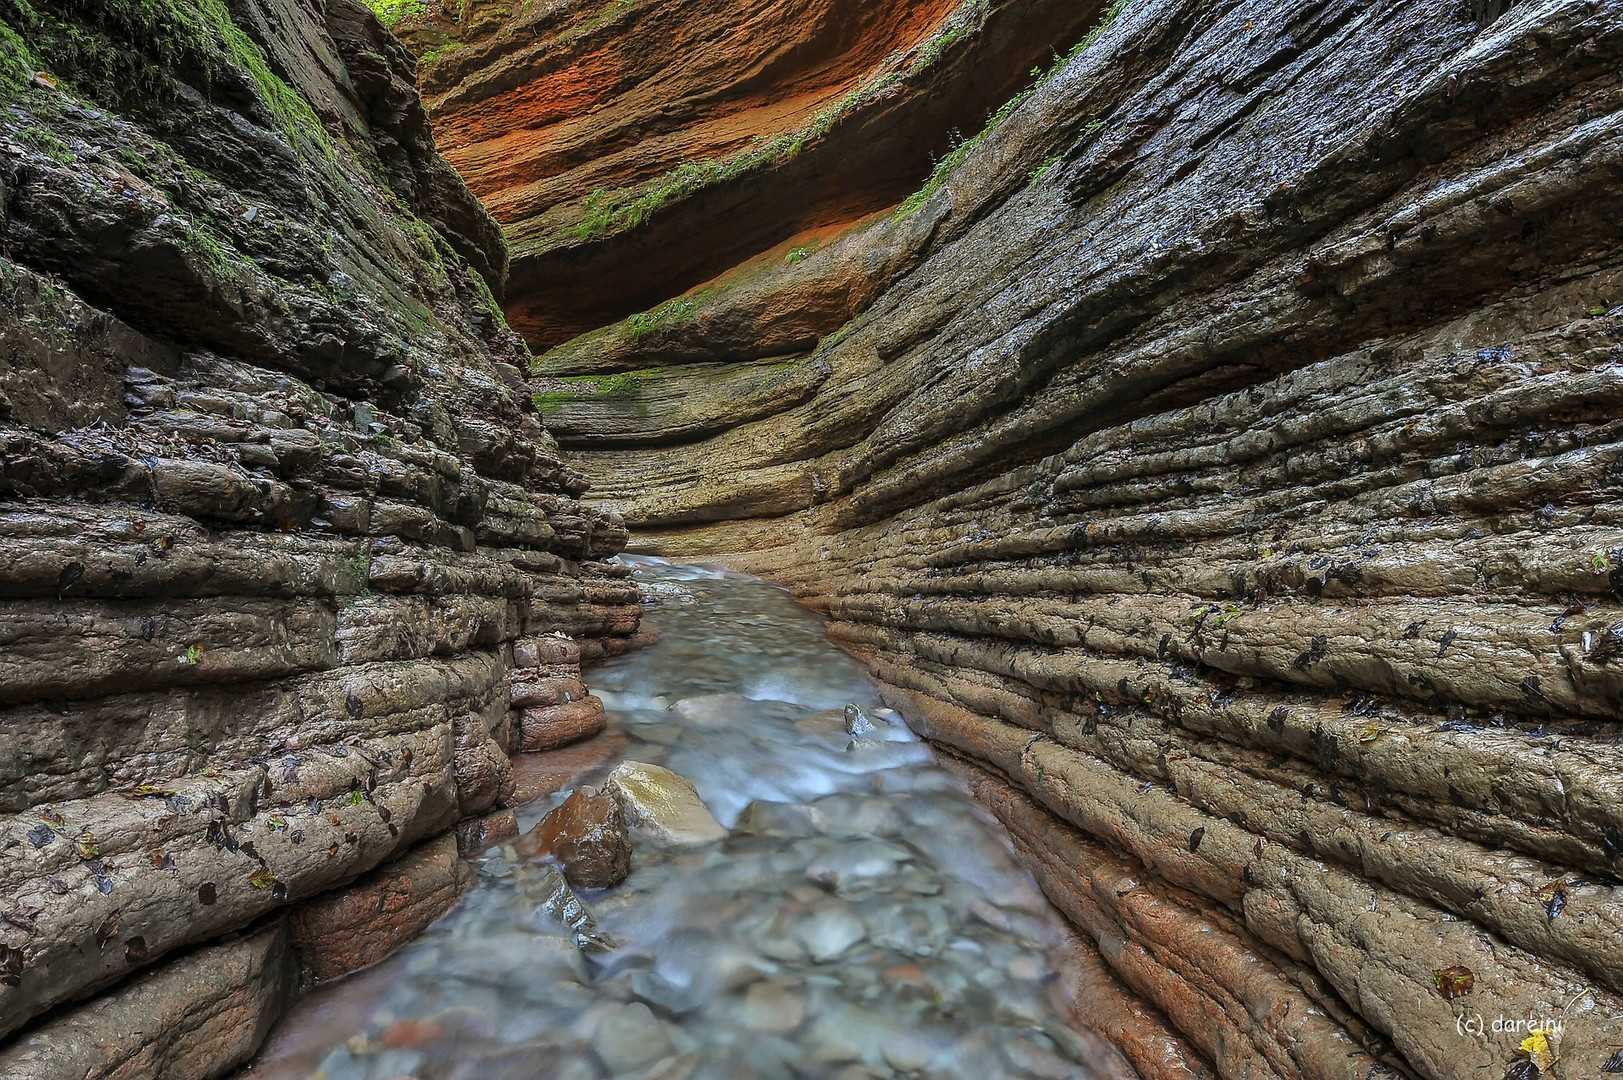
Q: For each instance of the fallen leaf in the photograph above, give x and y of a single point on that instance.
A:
(11, 966)
(85, 844)
(22, 918)
(1453, 982)
(1554, 896)
(1536, 1047)
(263, 878)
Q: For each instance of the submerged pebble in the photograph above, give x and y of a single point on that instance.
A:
(794, 909)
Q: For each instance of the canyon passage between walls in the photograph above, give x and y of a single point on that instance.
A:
(1203, 417)
(1217, 456)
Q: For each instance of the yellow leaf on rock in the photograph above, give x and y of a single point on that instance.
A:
(1537, 1048)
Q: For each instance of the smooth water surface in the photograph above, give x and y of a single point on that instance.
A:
(864, 917)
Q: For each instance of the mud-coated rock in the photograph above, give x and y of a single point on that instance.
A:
(587, 835)
(360, 924)
(195, 1019)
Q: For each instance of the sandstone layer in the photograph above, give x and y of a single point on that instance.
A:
(634, 150)
(1221, 457)
(291, 564)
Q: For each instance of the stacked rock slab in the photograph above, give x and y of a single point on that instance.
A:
(282, 529)
(1224, 465)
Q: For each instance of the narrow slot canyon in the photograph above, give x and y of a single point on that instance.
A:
(805, 538)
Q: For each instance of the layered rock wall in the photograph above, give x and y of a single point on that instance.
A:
(291, 564)
(1220, 460)
(634, 150)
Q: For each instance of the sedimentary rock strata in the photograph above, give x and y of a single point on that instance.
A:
(635, 150)
(291, 564)
(1221, 457)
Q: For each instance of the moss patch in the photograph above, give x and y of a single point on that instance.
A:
(131, 55)
(390, 12)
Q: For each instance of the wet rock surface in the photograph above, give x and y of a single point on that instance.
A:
(857, 916)
(198, 1017)
(662, 805)
(1222, 460)
(587, 834)
(290, 562)
(354, 927)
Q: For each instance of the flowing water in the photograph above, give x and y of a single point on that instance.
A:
(863, 918)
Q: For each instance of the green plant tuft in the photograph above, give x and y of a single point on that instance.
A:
(621, 385)
(671, 311)
(961, 147)
(390, 12)
(434, 56)
(1035, 176)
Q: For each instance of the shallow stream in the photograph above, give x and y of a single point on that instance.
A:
(863, 918)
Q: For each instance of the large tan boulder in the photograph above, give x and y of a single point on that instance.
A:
(663, 805)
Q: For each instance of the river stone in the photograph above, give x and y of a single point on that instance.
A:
(851, 862)
(587, 834)
(781, 820)
(724, 710)
(1040, 1061)
(830, 931)
(661, 993)
(663, 804)
(773, 1008)
(857, 723)
(631, 1038)
(1027, 967)
(906, 1054)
